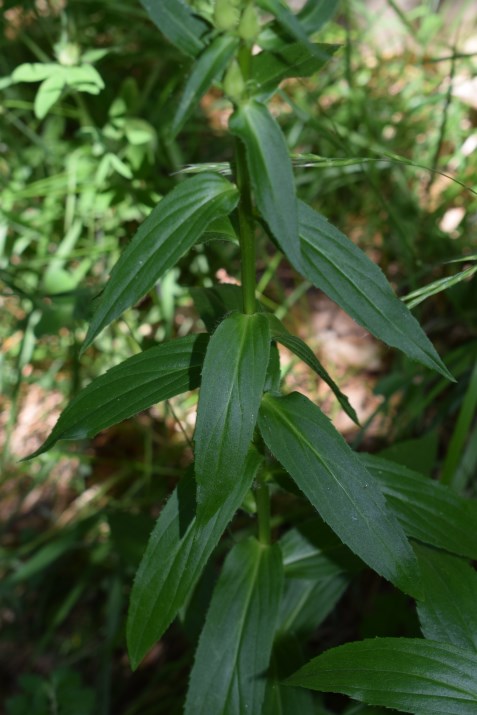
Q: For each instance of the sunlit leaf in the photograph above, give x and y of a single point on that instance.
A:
(48, 94)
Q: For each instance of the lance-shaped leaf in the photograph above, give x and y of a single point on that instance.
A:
(126, 389)
(334, 480)
(175, 557)
(412, 675)
(335, 265)
(301, 350)
(175, 20)
(233, 379)
(169, 231)
(48, 94)
(286, 19)
(317, 13)
(207, 68)
(270, 172)
(229, 673)
(296, 60)
(448, 612)
(428, 511)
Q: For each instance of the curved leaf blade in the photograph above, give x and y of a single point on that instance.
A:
(335, 265)
(301, 350)
(334, 480)
(176, 21)
(48, 94)
(317, 13)
(412, 675)
(126, 389)
(207, 68)
(235, 646)
(233, 378)
(169, 231)
(178, 550)
(288, 21)
(270, 172)
(429, 511)
(448, 613)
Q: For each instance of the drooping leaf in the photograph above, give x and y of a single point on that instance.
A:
(220, 230)
(334, 480)
(233, 378)
(301, 350)
(409, 674)
(175, 556)
(296, 60)
(339, 268)
(169, 231)
(448, 612)
(176, 21)
(48, 94)
(126, 389)
(428, 510)
(207, 68)
(229, 673)
(270, 172)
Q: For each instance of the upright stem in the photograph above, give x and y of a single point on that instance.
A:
(247, 237)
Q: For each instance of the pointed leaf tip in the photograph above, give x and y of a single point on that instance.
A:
(170, 230)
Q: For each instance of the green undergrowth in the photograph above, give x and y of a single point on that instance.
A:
(91, 143)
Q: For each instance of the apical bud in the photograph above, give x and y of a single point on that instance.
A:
(249, 25)
(226, 15)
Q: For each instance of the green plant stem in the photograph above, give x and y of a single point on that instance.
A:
(247, 237)
(245, 209)
(461, 432)
(262, 500)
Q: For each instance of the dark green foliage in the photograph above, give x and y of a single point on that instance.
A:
(274, 534)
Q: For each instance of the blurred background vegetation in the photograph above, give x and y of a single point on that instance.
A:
(87, 88)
